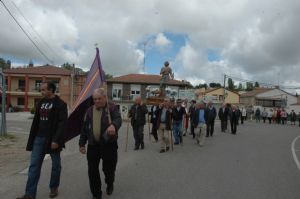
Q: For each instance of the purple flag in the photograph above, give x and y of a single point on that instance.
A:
(95, 79)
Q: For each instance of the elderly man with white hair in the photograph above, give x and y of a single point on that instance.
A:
(137, 114)
(100, 129)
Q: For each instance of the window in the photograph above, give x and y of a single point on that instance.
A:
(135, 90)
(21, 85)
(117, 91)
(38, 85)
(21, 101)
(56, 82)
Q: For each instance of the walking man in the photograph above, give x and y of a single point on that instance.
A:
(211, 116)
(244, 115)
(199, 122)
(153, 120)
(137, 114)
(191, 114)
(163, 116)
(100, 129)
(46, 137)
(233, 119)
(223, 116)
(177, 114)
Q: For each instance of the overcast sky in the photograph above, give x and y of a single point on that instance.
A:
(202, 39)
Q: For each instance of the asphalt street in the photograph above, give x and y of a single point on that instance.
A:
(257, 163)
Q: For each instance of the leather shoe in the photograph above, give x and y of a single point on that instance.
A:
(53, 193)
(109, 189)
(162, 151)
(136, 148)
(167, 148)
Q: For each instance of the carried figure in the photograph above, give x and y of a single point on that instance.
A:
(166, 73)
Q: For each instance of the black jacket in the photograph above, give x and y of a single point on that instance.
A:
(178, 115)
(87, 130)
(138, 112)
(57, 118)
(223, 115)
(196, 117)
(211, 114)
(192, 112)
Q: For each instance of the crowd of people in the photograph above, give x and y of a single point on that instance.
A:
(171, 120)
(180, 117)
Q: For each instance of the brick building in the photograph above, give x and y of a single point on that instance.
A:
(23, 85)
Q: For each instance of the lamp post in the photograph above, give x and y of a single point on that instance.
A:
(3, 108)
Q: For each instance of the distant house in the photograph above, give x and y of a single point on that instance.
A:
(23, 85)
(216, 95)
(268, 97)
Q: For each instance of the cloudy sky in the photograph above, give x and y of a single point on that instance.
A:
(202, 39)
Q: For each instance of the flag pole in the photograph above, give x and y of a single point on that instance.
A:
(102, 76)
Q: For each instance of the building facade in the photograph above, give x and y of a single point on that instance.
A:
(23, 85)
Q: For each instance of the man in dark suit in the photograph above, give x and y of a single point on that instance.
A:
(211, 116)
(223, 116)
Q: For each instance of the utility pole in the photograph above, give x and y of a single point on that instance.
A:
(224, 88)
(144, 65)
(3, 108)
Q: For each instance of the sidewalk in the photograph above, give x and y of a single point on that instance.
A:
(18, 116)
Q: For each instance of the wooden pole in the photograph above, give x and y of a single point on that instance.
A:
(126, 139)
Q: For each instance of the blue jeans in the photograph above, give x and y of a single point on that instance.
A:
(177, 131)
(37, 157)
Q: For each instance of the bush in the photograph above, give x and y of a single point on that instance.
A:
(32, 110)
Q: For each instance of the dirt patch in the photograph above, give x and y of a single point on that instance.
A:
(13, 156)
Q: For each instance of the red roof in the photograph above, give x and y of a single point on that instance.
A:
(144, 79)
(39, 70)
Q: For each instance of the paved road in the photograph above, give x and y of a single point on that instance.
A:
(257, 163)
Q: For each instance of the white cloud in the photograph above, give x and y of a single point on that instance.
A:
(162, 41)
(256, 39)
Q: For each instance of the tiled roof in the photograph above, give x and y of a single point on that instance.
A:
(38, 70)
(255, 92)
(144, 79)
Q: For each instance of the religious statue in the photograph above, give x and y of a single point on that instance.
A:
(166, 73)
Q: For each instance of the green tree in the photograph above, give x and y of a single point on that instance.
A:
(230, 84)
(202, 86)
(249, 86)
(240, 88)
(215, 85)
(256, 85)
(108, 76)
(5, 64)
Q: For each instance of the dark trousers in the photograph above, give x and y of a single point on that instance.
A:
(270, 120)
(242, 119)
(233, 124)
(138, 134)
(210, 128)
(264, 118)
(154, 130)
(223, 125)
(192, 128)
(109, 158)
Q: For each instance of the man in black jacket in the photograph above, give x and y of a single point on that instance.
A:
(137, 114)
(100, 130)
(46, 137)
(153, 120)
(234, 115)
(223, 116)
(211, 116)
(191, 114)
(177, 114)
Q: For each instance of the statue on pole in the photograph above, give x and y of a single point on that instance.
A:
(166, 73)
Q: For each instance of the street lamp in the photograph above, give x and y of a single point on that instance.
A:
(3, 110)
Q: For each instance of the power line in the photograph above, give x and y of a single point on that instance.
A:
(42, 53)
(31, 26)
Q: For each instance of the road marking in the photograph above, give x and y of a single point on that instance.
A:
(294, 152)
